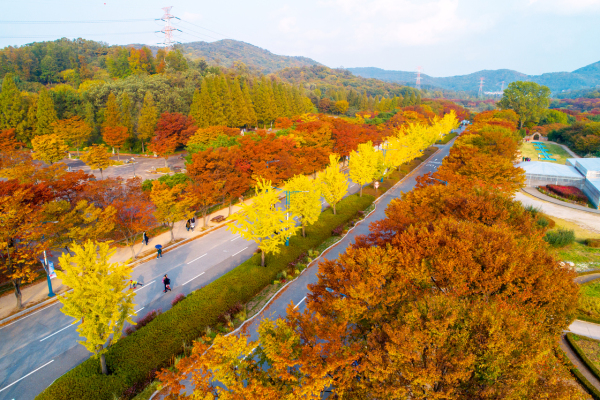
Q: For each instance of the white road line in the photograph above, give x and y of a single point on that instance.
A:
(196, 259)
(145, 285)
(57, 332)
(235, 238)
(135, 312)
(27, 316)
(193, 278)
(18, 380)
(240, 251)
(296, 306)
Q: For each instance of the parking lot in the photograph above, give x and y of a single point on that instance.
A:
(141, 166)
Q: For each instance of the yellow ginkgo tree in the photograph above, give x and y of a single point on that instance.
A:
(305, 200)
(262, 222)
(333, 182)
(364, 164)
(98, 298)
(172, 204)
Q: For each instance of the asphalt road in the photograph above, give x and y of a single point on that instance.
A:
(297, 290)
(37, 349)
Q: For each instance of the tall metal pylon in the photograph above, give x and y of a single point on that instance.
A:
(419, 69)
(168, 29)
(502, 87)
(480, 87)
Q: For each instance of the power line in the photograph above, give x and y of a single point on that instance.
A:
(185, 30)
(201, 27)
(90, 34)
(98, 21)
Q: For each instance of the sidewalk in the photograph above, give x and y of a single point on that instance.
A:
(37, 293)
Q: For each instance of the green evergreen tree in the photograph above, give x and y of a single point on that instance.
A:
(125, 114)
(250, 117)
(12, 107)
(45, 114)
(364, 102)
(262, 102)
(111, 112)
(273, 112)
(239, 109)
(147, 120)
(206, 109)
(214, 88)
(226, 101)
(195, 110)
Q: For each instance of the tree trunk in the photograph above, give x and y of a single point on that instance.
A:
(132, 252)
(303, 231)
(171, 229)
(205, 218)
(167, 162)
(230, 206)
(103, 364)
(118, 155)
(78, 152)
(262, 258)
(101, 174)
(360, 191)
(142, 146)
(334, 212)
(18, 294)
(521, 123)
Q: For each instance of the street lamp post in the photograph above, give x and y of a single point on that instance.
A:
(133, 165)
(46, 266)
(288, 193)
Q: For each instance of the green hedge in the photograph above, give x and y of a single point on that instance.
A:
(134, 358)
(573, 339)
(587, 385)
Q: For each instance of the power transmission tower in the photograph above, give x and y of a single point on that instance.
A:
(168, 29)
(502, 87)
(480, 87)
(419, 69)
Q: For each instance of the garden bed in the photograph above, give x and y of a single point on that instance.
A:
(568, 194)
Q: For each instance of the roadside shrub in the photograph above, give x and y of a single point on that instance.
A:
(560, 238)
(132, 358)
(542, 222)
(595, 243)
(568, 192)
(177, 299)
(147, 319)
(337, 231)
(534, 211)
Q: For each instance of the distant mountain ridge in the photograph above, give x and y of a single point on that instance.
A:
(226, 52)
(586, 77)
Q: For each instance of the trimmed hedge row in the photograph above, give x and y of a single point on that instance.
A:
(572, 339)
(587, 386)
(132, 359)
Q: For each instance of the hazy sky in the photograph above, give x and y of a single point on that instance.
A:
(445, 37)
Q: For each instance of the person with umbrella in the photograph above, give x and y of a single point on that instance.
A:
(158, 250)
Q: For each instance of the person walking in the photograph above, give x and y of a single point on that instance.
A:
(187, 225)
(133, 284)
(145, 238)
(193, 223)
(167, 283)
(159, 252)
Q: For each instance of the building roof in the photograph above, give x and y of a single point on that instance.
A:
(590, 164)
(550, 169)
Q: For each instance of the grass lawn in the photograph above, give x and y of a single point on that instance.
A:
(447, 138)
(590, 349)
(558, 153)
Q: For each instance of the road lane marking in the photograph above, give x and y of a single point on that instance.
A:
(240, 251)
(57, 332)
(235, 238)
(145, 285)
(28, 315)
(18, 380)
(135, 312)
(196, 259)
(193, 278)
(296, 306)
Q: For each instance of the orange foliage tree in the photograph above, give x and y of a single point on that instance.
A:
(115, 136)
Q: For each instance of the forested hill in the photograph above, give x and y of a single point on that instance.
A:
(586, 77)
(226, 52)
